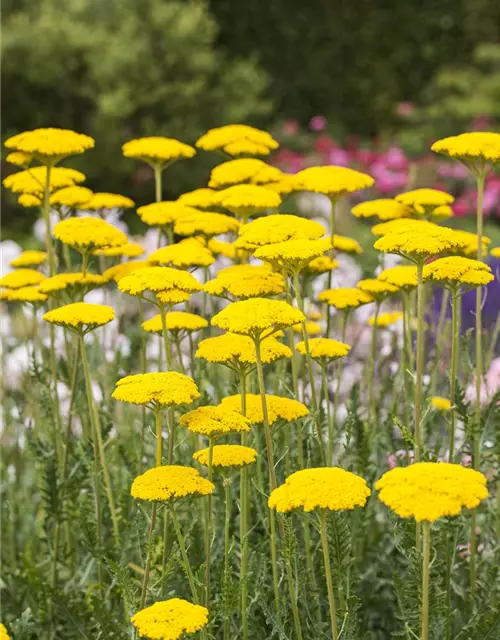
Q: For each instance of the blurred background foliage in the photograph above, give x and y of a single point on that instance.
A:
(118, 69)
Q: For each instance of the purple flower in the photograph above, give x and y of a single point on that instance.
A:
(318, 123)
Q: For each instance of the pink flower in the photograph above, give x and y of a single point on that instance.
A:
(290, 127)
(401, 455)
(405, 109)
(490, 385)
(318, 123)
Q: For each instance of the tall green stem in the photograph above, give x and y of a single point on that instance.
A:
(244, 513)
(331, 432)
(208, 525)
(405, 360)
(159, 437)
(227, 519)
(48, 230)
(184, 556)
(147, 568)
(455, 341)
(328, 574)
(166, 341)
(143, 370)
(425, 581)
(371, 369)
(158, 170)
(420, 360)
(330, 273)
(293, 598)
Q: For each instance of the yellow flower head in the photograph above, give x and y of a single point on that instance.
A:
(29, 259)
(88, 234)
(245, 281)
(80, 315)
(495, 252)
(470, 146)
(329, 488)
(418, 245)
(21, 278)
(386, 319)
(170, 483)
(19, 158)
(312, 328)
(129, 250)
(404, 276)
(162, 214)
(214, 421)
(397, 226)
(72, 196)
(183, 255)
(119, 271)
(24, 294)
(319, 265)
(203, 198)
(284, 185)
(243, 170)
(206, 224)
(170, 619)
(221, 248)
(168, 388)
(324, 349)
(426, 198)
(176, 321)
(377, 289)
(345, 298)
(279, 409)
(332, 181)
(158, 279)
(50, 145)
(29, 200)
(342, 244)
(441, 404)
(381, 208)
(443, 212)
(236, 139)
(72, 283)
(235, 349)
(431, 490)
(32, 181)
(455, 270)
(3, 633)
(470, 246)
(278, 227)
(173, 296)
(246, 199)
(157, 149)
(257, 317)
(227, 456)
(293, 255)
(105, 200)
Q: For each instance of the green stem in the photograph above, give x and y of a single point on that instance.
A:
(227, 495)
(166, 341)
(420, 360)
(158, 192)
(184, 556)
(159, 437)
(48, 230)
(208, 525)
(328, 573)
(494, 339)
(244, 515)
(170, 460)
(147, 568)
(338, 369)
(405, 361)
(331, 432)
(455, 340)
(371, 370)
(85, 263)
(293, 598)
(143, 370)
(425, 580)
(330, 273)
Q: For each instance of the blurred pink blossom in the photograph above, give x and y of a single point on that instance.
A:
(490, 385)
(405, 109)
(318, 123)
(290, 127)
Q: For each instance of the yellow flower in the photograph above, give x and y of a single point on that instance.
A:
(495, 252)
(29, 200)
(157, 149)
(345, 298)
(158, 279)
(456, 270)
(170, 619)
(32, 181)
(443, 212)
(324, 349)
(162, 214)
(293, 255)
(50, 145)
(431, 490)
(214, 421)
(168, 388)
(80, 315)
(183, 255)
(19, 158)
(418, 245)
(245, 281)
(206, 223)
(240, 350)
(203, 198)
(21, 278)
(129, 250)
(319, 265)
(386, 319)
(469, 248)
(243, 170)
(170, 483)
(377, 289)
(173, 296)
(343, 244)
(29, 259)
(119, 271)
(284, 185)
(279, 409)
(441, 404)
(105, 200)
(246, 199)
(72, 283)
(72, 196)
(312, 328)
(278, 228)
(404, 276)
(332, 181)
(381, 208)
(220, 248)
(24, 294)
(426, 198)
(3, 633)
(470, 146)
(257, 317)
(227, 456)
(329, 488)
(88, 234)
(237, 138)
(176, 321)
(405, 224)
